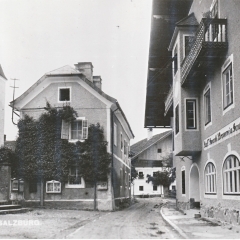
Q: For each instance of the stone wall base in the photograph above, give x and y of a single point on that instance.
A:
(220, 213)
(182, 206)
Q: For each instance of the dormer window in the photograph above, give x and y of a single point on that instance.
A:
(64, 95)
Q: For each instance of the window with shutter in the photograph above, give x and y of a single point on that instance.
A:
(65, 130)
(77, 130)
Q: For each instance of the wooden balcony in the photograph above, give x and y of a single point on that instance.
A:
(209, 46)
(168, 101)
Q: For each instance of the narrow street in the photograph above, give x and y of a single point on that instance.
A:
(142, 220)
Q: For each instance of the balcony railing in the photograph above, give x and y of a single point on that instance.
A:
(169, 100)
(209, 43)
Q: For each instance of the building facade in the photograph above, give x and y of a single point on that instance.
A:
(149, 156)
(203, 101)
(82, 91)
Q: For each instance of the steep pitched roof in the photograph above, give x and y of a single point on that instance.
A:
(144, 144)
(2, 73)
(188, 21)
(67, 70)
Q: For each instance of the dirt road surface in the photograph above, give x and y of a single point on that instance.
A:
(142, 221)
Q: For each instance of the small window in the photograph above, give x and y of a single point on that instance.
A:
(33, 186)
(125, 148)
(115, 134)
(175, 61)
(77, 130)
(227, 87)
(159, 150)
(210, 178)
(176, 119)
(53, 187)
(154, 174)
(15, 185)
(64, 94)
(191, 114)
(74, 177)
(154, 188)
(188, 41)
(231, 175)
(207, 107)
(183, 182)
(140, 175)
(140, 188)
(121, 142)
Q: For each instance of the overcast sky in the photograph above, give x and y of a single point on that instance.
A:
(38, 36)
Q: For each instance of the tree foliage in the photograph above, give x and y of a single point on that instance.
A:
(41, 153)
(7, 155)
(134, 173)
(166, 176)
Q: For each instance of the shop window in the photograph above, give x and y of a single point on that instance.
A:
(191, 121)
(227, 87)
(64, 94)
(207, 107)
(177, 119)
(53, 187)
(231, 175)
(210, 179)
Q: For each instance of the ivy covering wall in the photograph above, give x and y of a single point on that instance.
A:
(42, 154)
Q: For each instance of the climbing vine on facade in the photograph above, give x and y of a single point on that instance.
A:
(42, 154)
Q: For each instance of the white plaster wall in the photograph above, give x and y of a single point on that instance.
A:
(2, 109)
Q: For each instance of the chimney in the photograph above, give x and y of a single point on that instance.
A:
(150, 133)
(97, 81)
(85, 68)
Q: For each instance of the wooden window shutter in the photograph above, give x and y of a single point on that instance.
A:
(65, 130)
(85, 129)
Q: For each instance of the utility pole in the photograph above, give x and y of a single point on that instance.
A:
(14, 87)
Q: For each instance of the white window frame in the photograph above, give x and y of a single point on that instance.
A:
(184, 43)
(195, 127)
(206, 90)
(175, 63)
(226, 65)
(121, 142)
(69, 131)
(177, 116)
(69, 185)
(210, 175)
(55, 189)
(15, 185)
(231, 175)
(70, 94)
(115, 134)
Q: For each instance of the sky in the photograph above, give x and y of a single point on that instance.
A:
(38, 36)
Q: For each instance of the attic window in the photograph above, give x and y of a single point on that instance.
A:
(64, 94)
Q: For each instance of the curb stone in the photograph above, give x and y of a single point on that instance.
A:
(173, 225)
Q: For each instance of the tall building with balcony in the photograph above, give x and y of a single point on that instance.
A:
(201, 105)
